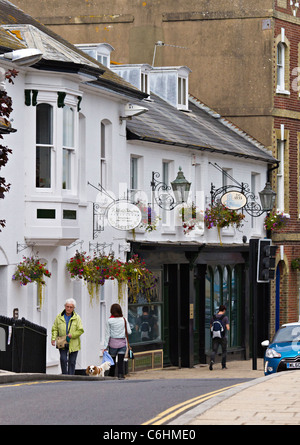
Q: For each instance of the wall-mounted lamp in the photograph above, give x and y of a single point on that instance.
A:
(267, 198)
(160, 191)
(23, 57)
(132, 110)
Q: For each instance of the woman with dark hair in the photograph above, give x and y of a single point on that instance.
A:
(115, 338)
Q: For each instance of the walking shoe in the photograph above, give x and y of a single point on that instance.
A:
(224, 367)
(211, 365)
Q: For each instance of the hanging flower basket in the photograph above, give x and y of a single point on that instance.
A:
(275, 220)
(32, 270)
(191, 218)
(139, 279)
(220, 216)
(95, 271)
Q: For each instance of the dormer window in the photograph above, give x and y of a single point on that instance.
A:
(136, 74)
(99, 51)
(171, 84)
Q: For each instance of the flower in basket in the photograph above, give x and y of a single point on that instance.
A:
(191, 217)
(95, 271)
(32, 270)
(149, 217)
(77, 265)
(139, 279)
(219, 216)
(275, 220)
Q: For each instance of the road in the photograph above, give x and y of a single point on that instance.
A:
(105, 402)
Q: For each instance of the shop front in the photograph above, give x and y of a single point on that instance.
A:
(193, 281)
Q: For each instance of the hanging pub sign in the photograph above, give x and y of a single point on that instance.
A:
(234, 200)
(123, 215)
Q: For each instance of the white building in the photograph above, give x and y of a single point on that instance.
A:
(57, 151)
(76, 135)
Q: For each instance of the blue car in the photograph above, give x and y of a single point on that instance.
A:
(283, 353)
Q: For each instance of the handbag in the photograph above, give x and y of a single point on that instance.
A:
(129, 352)
(61, 342)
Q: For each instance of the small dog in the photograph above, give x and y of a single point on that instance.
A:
(98, 371)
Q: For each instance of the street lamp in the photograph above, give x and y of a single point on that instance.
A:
(267, 198)
(180, 187)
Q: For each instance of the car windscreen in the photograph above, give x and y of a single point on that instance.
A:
(287, 333)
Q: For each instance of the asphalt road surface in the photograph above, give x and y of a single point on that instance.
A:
(107, 402)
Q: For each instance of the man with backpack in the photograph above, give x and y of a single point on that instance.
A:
(145, 325)
(219, 325)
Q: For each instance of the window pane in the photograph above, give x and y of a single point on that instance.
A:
(43, 167)
(184, 91)
(44, 123)
(208, 311)
(145, 323)
(234, 311)
(102, 140)
(179, 90)
(134, 174)
(217, 293)
(68, 126)
(145, 316)
(226, 289)
(66, 169)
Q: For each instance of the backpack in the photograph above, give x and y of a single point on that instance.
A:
(217, 328)
(145, 329)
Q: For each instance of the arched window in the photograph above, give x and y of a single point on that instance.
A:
(282, 63)
(281, 66)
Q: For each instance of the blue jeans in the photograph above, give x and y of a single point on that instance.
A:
(68, 361)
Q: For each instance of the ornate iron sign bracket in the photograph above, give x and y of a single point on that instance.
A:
(251, 206)
(161, 193)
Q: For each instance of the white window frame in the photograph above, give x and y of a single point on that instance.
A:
(69, 150)
(254, 191)
(280, 67)
(47, 146)
(280, 174)
(145, 82)
(182, 93)
(165, 214)
(103, 152)
(134, 172)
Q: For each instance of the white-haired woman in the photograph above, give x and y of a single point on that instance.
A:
(68, 323)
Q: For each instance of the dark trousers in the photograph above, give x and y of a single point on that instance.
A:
(112, 370)
(68, 361)
(216, 342)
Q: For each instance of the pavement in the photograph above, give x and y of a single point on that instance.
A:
(263, 400)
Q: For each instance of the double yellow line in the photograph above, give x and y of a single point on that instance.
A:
(175, 410)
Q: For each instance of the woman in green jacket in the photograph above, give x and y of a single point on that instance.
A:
(68, 323)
